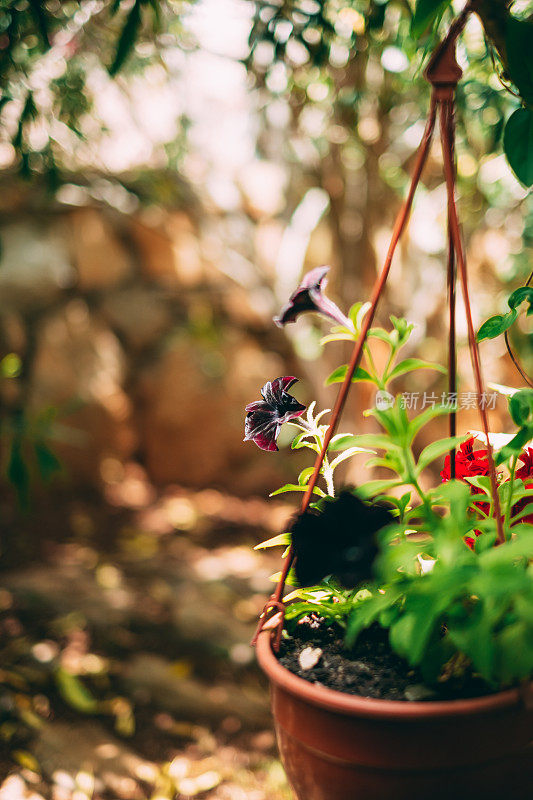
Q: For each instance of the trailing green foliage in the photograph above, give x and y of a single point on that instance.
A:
(449, 598)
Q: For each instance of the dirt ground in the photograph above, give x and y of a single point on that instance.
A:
(126, 670)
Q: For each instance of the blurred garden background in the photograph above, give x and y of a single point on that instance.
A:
(168, 171)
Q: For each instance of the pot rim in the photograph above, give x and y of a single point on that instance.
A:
(353, 705)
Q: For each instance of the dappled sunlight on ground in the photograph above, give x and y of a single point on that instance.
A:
(127, 670)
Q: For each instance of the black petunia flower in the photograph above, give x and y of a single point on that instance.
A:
(338, 541)
(265, 417)
(309, 296)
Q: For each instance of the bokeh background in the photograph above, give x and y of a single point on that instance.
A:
(163, 188)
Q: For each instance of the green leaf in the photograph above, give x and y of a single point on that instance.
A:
(496, 325)
(521, 407)
(524, 513)
(418, 422)
(305, 474)
(473, 636)
(516, 445)
(340, 441)
(281, 540)
(351, 451)
(47, 462)
(298, 438)
(514, 652)
(127, 38)
(521, 294)
(38, 10)
(518, 144)
(410, 633)
(357, 314)
(518, 40)
(402, 330)
(410, 364)
(18, 473)
(365, 440)
(380, 333)
(75, 693)
(289, 581)
(437, 449)
(337, 337)
(373, 488)
(339, 374)
(294, 487)
(367, 611)
(426, 12)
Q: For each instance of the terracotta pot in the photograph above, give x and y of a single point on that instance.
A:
(335, 746)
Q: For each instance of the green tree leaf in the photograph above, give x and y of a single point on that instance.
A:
(18, 473)
(127, 38)
(518, 144)
(40, 15)
(426, 12)
(48, 463)
(519, 38)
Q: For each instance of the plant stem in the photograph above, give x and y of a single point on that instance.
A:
(393, 351)
(327, 473)
(512, 468)
(372, 365)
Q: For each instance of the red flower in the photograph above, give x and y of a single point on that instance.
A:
(525, 472)
(468, 464)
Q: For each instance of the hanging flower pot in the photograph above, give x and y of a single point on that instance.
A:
(443, 575)
(338, 747)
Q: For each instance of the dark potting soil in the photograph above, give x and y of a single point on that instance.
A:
(316, 652)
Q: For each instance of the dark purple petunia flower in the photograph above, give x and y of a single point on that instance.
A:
(265, 417)
(309, 296)
(338, 541)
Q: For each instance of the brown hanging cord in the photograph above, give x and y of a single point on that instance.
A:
(446, 117)
(443, 73)
(275, 601)
(452, 349)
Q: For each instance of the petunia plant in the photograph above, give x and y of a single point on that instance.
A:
(445, 569)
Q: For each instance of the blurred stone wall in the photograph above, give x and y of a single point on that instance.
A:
(142, 344)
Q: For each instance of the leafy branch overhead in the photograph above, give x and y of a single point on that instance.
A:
(112, 31)
(511, 38)
(315, 28)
